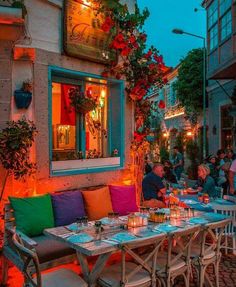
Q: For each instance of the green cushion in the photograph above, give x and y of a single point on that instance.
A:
(33, 214)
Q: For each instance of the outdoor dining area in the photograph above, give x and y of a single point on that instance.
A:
(148, 246)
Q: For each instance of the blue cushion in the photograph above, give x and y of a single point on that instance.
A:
(67, 207)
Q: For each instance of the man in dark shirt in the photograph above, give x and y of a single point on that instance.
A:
(153, 187)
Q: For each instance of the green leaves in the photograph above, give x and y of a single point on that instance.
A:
(15, 142)
(189, 86)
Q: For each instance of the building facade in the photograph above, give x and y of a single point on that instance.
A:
(221, 72)
(71, 150)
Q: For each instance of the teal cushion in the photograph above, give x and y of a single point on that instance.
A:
(33, 214)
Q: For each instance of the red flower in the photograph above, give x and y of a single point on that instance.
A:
(152, 66)
(158, 59)
(107, 25)
(139, 137)
(148, 54)
(105, 74)
(118, 76)
(119, 37)
(132, 39)
(161, 104)
(165, 81)
(126, 51)
(143, 37)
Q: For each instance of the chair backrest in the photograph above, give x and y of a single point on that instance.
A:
(9, 221)
(180, 240)
(28, 258)
(146, 262)
(212, 232)
(229, 210)
(230, 198)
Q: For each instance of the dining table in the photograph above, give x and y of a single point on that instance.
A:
(87, 242)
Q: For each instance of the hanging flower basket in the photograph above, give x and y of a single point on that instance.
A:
(80, 103)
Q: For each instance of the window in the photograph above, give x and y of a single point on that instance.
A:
(82, 141)
(212, 14)
(213, 37)
(226, 25)
(224, 6)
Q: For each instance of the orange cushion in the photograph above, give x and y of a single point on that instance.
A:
(97, 202)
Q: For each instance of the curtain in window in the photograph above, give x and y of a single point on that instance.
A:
(67, 113)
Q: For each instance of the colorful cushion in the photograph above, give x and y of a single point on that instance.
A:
(33, 214)
(67, 207)
(123, 199)
(97, 203)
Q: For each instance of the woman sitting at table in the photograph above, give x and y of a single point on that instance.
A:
(206, 183)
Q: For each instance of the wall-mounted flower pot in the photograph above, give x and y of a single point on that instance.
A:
(22, 99)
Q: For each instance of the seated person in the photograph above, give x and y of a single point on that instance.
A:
(169, 175)
(206, 183)
(153, 188)
(211, 163)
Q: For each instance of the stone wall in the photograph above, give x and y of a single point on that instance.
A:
(43, 32)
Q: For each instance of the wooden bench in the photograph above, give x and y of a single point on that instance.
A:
(60, 253)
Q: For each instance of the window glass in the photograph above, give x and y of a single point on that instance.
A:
(213, 37)
(224, 6)
(77, 135)
(226, 25)
(212, 14)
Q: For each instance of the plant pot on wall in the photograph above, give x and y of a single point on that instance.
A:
(22, 99)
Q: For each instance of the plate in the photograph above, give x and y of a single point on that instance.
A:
(80, 238)
(198, 220)
(165, 228)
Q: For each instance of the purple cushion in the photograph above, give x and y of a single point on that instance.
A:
(123, 199)
(67, 207)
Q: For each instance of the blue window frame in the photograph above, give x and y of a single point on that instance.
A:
(73, 147)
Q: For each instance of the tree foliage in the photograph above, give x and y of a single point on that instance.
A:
(189, 85)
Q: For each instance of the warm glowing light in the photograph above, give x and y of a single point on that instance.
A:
(165, 135)
(189, 134)
(103, 93)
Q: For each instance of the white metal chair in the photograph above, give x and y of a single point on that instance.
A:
(141, 272)
(29, 266)
(229, 210)
(176, 261)
(206, 250)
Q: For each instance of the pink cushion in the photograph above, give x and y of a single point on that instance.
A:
(123, 199)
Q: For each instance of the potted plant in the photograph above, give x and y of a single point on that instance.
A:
(80, 102)
(15, 142)
(23, 97)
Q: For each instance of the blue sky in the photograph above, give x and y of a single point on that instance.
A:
(168, 14)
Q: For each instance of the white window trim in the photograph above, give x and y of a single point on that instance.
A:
(83, 164)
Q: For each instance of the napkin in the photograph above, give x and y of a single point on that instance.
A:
(80, 238)
(165, 228)
(123, 237)
(198, 220)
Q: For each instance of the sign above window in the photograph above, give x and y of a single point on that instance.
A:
(83, 36)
